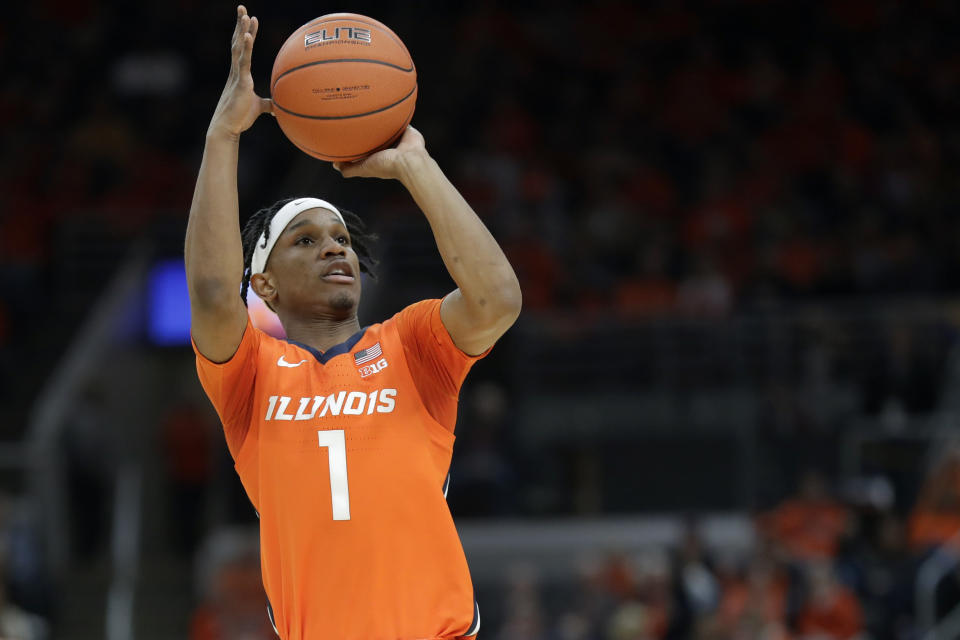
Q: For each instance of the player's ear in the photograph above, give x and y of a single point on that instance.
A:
(264, 286)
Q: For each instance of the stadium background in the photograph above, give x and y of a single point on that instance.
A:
(728, 411)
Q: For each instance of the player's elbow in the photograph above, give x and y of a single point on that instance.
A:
(513, 300)
(506, 304)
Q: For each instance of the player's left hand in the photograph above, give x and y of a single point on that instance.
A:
(388, 163)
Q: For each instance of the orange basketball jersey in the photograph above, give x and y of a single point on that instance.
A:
(345, 455)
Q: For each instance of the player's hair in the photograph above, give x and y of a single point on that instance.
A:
(259, 223)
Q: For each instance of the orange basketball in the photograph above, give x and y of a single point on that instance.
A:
(343, 86)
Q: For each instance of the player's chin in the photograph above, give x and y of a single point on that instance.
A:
(344, 301)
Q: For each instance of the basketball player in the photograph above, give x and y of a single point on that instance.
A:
(341, 435)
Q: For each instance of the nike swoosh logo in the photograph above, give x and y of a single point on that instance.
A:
(283, 363)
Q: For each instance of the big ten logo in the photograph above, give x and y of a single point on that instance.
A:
(339, 33)
(371, 369)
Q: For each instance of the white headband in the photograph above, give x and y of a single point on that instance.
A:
(280, 221)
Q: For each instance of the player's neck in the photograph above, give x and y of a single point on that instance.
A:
(321, 333)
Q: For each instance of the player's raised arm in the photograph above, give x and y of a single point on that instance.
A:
(213, 252)
(487, 301)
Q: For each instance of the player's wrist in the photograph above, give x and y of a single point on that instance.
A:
(413, 164)
(220, 132)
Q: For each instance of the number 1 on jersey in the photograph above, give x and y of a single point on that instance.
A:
(336, 446)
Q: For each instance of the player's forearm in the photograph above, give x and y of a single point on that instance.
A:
(213, 252)
(471, 254)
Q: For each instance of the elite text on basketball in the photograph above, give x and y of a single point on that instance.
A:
(339, 33)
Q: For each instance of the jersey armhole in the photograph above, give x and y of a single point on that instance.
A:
(246, 335)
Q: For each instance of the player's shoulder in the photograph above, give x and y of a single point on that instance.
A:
(418, 312)
(419, 324)
(273, 352)
(267, 343)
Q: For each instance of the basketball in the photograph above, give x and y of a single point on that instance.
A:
(343, 86)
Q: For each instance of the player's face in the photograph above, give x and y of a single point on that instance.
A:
(313, 268)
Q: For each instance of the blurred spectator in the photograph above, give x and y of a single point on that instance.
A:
(650, 290)
(831, 610)
(573, 626)
(590, 601)
(808, 525)
(756, 605)
(700, 590)
(878, 565)
(236, 608)
(935, 519)
(705, 292)
(233, 604)
(524, 615)
(631, 621)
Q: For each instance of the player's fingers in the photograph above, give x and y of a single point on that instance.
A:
(411, 137)
(236, 28)
(348, 169)
(266, 106)
(239, 43)
(254, 27)
(246, 53)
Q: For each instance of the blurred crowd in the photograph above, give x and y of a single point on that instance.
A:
(825, 564)
(640, 157)
(822, 567)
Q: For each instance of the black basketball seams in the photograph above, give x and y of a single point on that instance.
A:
(357, 115)
(409, 69)
(386, 144)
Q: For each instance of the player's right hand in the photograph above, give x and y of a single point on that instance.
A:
(239, 104)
